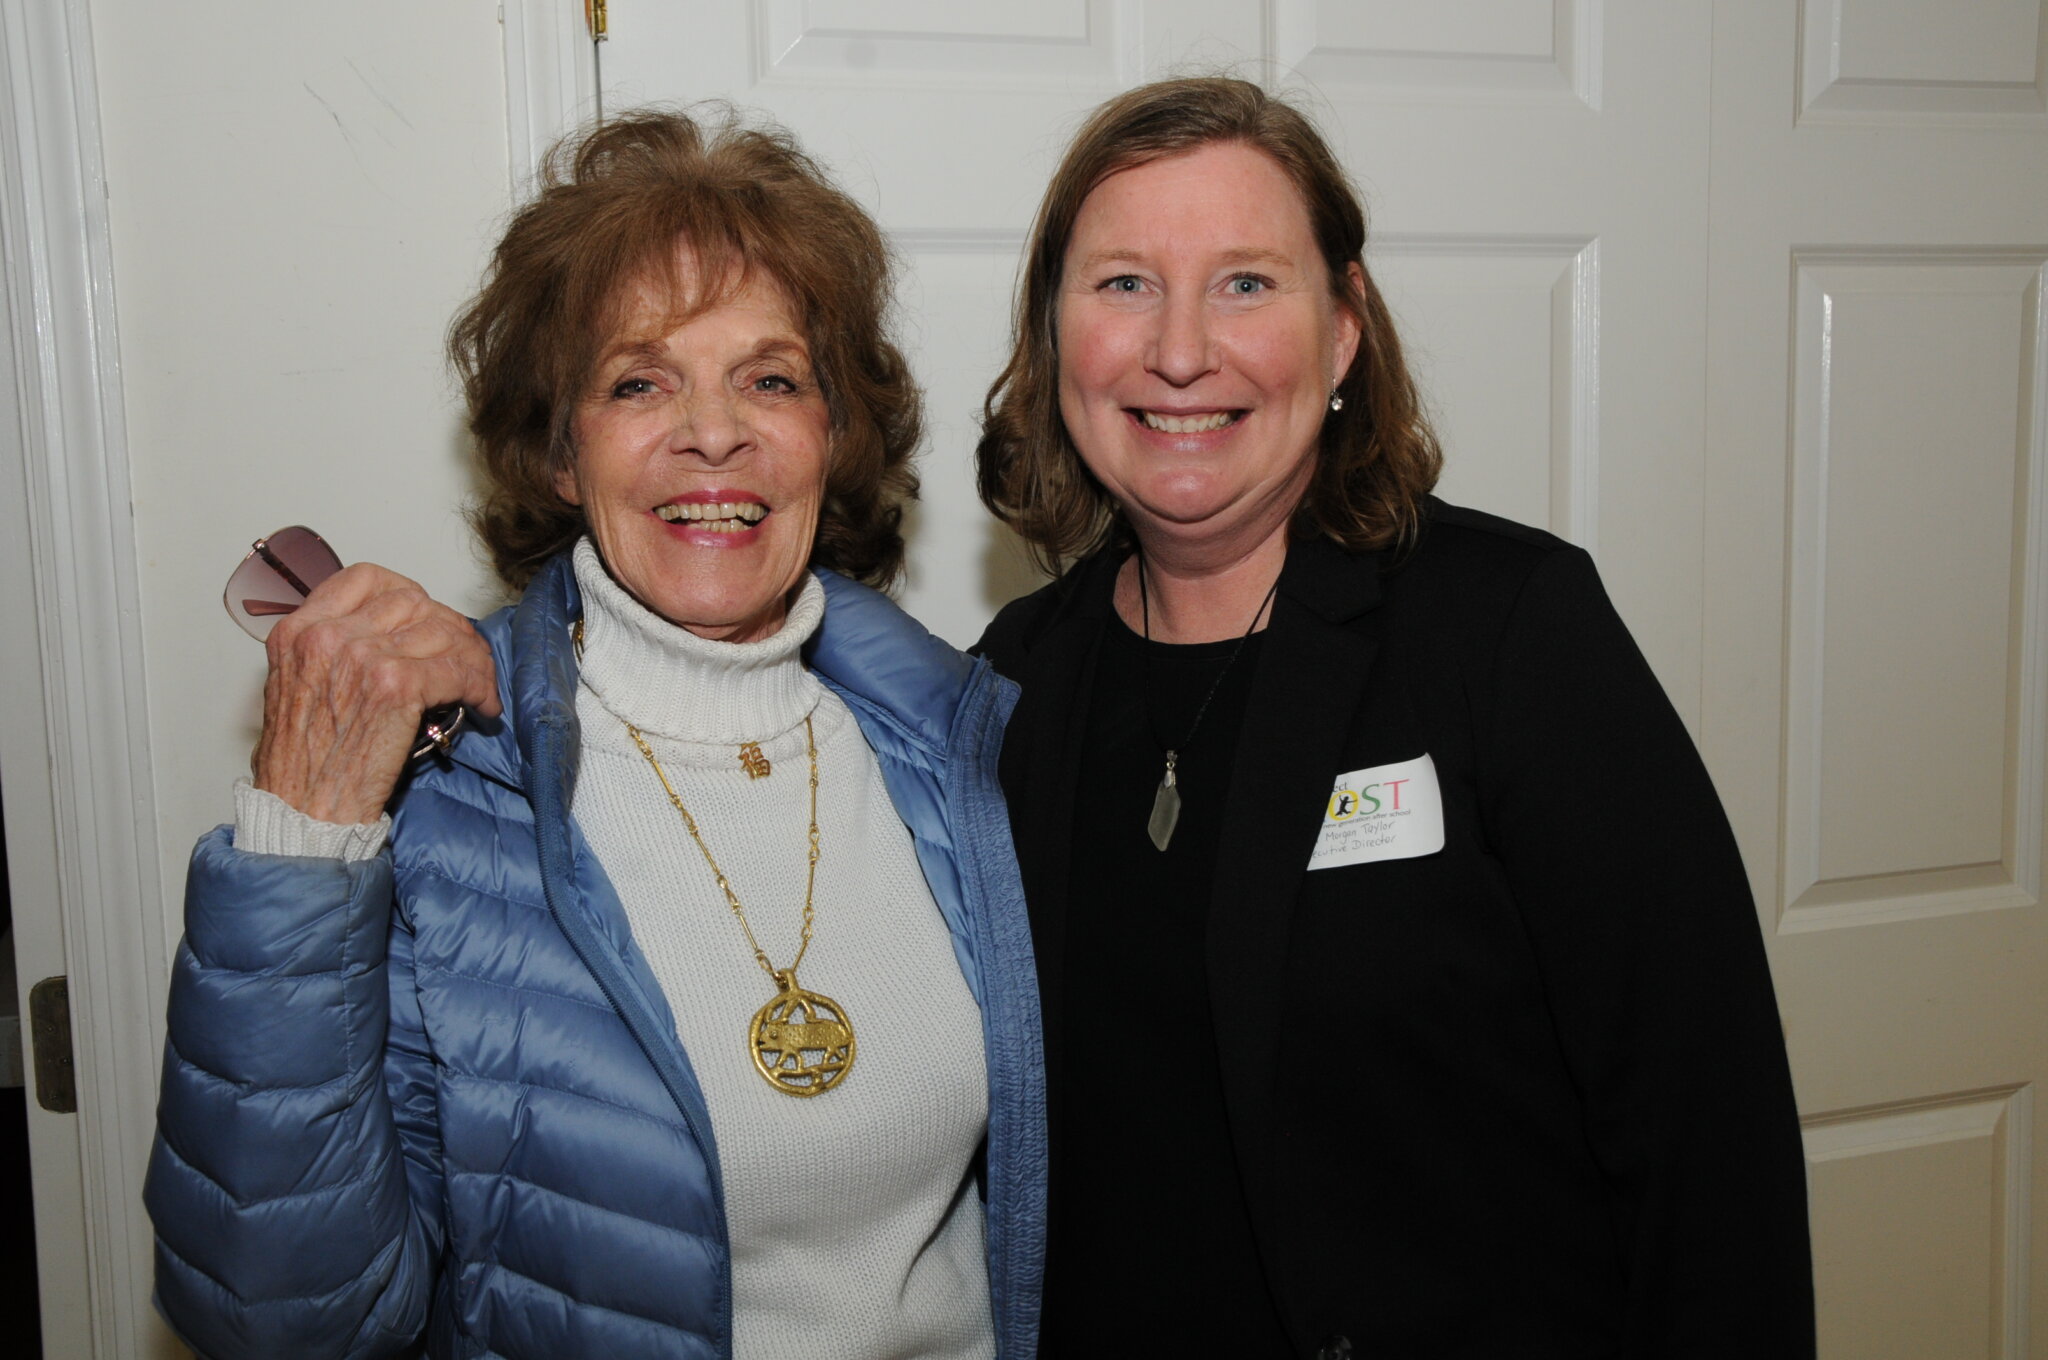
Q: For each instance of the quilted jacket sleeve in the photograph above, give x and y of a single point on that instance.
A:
(295, 1143)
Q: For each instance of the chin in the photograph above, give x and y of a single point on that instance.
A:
(1185, 507)
(726, 618)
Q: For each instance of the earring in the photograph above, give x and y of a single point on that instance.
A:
(1336, 402)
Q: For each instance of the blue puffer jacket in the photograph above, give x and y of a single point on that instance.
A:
(437, 1095)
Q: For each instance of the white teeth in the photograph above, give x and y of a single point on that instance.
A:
(724, 516)
(1166, 424)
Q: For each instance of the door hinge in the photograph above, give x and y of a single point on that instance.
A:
(599, 21)
(49, 1034)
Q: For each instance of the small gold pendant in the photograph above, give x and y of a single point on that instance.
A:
(753, 762)
(795, 1024)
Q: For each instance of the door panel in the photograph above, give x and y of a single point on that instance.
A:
(1946, 1178)
(1516, 50)
(1911, 384)
(1503, 336)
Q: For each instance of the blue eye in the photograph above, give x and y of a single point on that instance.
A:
(1123, 283)
(1246, 284)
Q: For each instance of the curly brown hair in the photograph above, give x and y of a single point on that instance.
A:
(1378, 457)
(615, 206)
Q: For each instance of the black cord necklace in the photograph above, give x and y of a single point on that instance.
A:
(1166, 802)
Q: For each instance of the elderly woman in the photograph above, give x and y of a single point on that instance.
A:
(527, 1067)
(1403, 991)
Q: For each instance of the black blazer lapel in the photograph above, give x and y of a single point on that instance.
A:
(1042, 770)
(1304, 698)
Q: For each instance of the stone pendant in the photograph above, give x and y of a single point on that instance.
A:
(1165, 806)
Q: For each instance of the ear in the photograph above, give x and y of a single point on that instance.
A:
(565, 483)
(1346, 326)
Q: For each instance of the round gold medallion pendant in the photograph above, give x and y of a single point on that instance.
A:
(802, 1041)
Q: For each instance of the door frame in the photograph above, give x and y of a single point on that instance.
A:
(80, 803)
(80, 798)
(550, 80)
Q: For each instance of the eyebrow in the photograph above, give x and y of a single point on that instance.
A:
(1234, 256)
(778, 346)
(635, 349)
(655, 348)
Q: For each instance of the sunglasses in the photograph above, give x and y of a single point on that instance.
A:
(277, 576)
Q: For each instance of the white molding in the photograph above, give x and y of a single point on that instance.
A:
(99, 795)
(1826, 94)
(550, 80)
(1570, 74)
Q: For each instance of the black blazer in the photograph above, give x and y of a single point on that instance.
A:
(1523, 1097)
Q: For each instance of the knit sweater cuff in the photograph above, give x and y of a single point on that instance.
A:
(267, 825)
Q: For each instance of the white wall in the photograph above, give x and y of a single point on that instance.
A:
(300, 197)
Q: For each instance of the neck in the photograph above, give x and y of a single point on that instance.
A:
(1193, 595)
(669, 682)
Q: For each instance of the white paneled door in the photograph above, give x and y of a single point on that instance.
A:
(1875, 661)
(1746, 297)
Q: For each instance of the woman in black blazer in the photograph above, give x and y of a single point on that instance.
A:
(1403, 990)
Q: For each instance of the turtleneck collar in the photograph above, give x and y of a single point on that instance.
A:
(667, 681)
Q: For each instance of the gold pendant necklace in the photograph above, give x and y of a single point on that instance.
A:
(797, 1023)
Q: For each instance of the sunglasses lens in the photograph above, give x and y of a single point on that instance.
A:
(304, 554)
(262, 591)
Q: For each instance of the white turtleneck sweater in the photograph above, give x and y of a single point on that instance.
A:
(856, 1229)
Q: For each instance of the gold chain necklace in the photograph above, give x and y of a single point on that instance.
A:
(797, 1022)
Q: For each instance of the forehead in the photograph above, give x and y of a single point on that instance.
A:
(1218, 198)
(680, 293)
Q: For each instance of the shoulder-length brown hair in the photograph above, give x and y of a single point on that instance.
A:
(1378, 457)
(614, 206)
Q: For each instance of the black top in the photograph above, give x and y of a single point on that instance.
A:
(1525, 1095)
(1150, 1244)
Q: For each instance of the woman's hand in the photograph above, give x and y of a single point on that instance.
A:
(351, 672)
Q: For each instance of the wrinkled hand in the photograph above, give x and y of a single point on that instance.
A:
(351, 672)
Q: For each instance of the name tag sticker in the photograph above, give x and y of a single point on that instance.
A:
(1387, 812)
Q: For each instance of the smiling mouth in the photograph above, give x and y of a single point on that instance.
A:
(720, 517)
(1189, 424)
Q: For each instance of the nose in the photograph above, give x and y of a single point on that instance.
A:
(710, 427)
(1182, 350)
